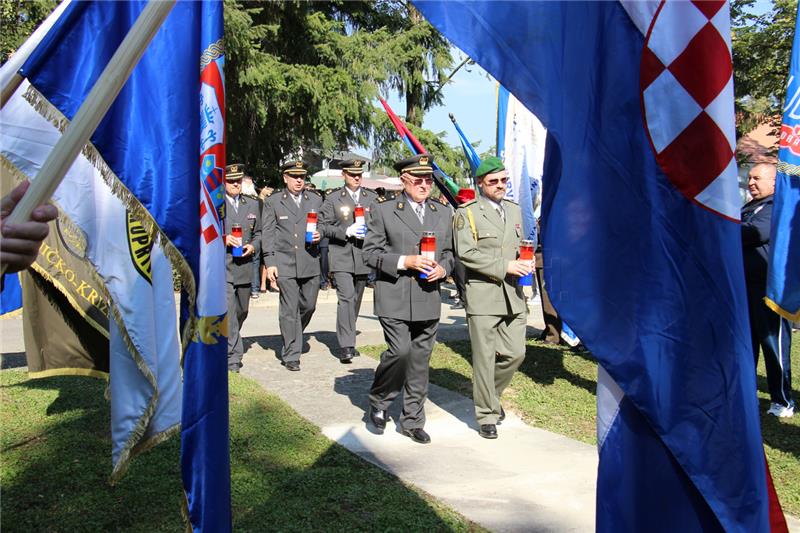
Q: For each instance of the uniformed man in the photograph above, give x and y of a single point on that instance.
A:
(346, 239)
(290, 261)
(407, 306)
(244, 211)
(487, 236)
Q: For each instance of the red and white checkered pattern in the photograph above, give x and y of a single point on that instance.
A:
(686, 83)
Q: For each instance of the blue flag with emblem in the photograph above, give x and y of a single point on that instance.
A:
(160, 149)
(783, 277)
(639, 223)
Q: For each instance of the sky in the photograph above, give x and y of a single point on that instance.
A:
(470, 96)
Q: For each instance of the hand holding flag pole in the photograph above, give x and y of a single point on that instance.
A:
(93, 109)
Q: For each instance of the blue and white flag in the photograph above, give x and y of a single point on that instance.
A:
(783, 276)
(131, 192)
(520, 144)
(640, 217)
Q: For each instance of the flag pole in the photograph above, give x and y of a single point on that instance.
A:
(93, 109)
(10, 79)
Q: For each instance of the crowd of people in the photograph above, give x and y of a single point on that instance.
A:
(407, 245)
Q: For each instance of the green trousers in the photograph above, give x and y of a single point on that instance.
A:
(498, 349)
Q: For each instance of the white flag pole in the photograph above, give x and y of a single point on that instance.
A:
(93, 109)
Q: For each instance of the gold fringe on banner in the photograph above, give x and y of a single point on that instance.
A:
(132, 446)
(55, 117)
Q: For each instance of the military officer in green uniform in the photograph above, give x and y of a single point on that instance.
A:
(487, 235)
(246, 213)
(290, 261)
(407, 299)
(345, 241)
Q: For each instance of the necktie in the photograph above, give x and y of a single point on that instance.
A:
(236, 204)
(420, 210)
(501, 213)
(296, 200)
(355, 197)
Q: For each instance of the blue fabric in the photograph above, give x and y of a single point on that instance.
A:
(502, 113)
(146, 137)
(783, 281)
(11, 297)
(469, 152)
(151, 139)
(650, 282)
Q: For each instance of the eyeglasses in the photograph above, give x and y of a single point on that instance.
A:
(419, 181)
(293, 176)
(237, 182)
(494, 181)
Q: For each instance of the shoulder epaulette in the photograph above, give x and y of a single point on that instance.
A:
(468, 203)
(314, 191)
(380, 199)
(510, 201)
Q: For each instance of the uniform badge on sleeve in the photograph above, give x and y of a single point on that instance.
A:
(460, 222)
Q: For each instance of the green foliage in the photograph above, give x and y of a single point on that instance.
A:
(762, 48)
(307, 74)
(18, 19)
(285, 475)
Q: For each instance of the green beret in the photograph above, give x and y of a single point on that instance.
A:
(489, 165)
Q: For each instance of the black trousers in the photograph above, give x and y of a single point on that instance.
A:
(297, 302)
(773, 334)
(404, 368)
(238, 307)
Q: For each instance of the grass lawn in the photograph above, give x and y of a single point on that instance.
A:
(285, 476)
(555, 390)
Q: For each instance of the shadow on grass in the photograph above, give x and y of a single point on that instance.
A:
(285, 475)
(543, 364)
(55, 474)
(296, 480)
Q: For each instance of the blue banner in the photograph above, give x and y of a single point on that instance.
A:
(164, 157)
(783, 278)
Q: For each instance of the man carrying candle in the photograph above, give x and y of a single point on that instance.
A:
(242, 238)
(487, 234)
(407, 299)
(291, 253)
(342, 221)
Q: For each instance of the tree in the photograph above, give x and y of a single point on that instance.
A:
(762, 48)
(298, 77)
(420, 54)
(18, 20)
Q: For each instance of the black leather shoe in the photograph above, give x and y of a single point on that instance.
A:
(502, 415)
(346, 356)
(417, 435)
(293, 366)
(378, 418)
(488, 431)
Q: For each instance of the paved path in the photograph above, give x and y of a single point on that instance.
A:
(526, 480)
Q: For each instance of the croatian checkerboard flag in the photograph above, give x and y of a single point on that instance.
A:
(640, 214)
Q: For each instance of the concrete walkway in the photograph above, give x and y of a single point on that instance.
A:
(526, 480)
